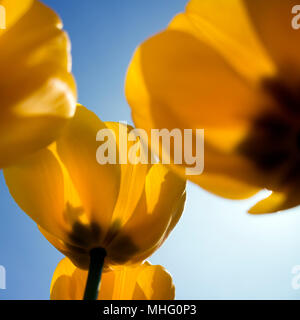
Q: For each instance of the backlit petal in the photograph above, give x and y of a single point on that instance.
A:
(235, 39)
(13, 11)
(37, 185)
(132, 175)
(160, 205)
(277, 201)
(176, 81)
(272, 20)
(97, 184)
(38, 93)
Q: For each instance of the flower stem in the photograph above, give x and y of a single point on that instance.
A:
(97, 256)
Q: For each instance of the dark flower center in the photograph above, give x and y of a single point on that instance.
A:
(273, 143)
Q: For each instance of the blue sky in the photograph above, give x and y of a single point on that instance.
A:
(217, 251)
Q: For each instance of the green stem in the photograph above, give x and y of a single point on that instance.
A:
(97, 256)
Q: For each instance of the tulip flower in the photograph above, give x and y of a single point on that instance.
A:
(89, 211)
(38, 94)
(232, 69)
(137, 282)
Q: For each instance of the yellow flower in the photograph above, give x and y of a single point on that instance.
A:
(138, 282)
(79, 204)
(232, 68)
(37, 90)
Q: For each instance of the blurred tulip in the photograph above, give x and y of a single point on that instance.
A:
(38, 93)
(231, 68)
(138, 282)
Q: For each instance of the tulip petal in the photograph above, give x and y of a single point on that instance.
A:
(132, 176)
(277, 201)
(140, 282)
(38, 93)
(160, 205)
(37, 185)
(273, 22)
(177, 81)
(79, 256)
(226, 186)
(62, 286)
(155, 283)
(97, 184)
(187, 71)
(235, 39)
(14, 10)
(175, 76)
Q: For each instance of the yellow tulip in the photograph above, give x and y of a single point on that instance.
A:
(38, 93)
(231, 68)
(138, 282)
(79, 204)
